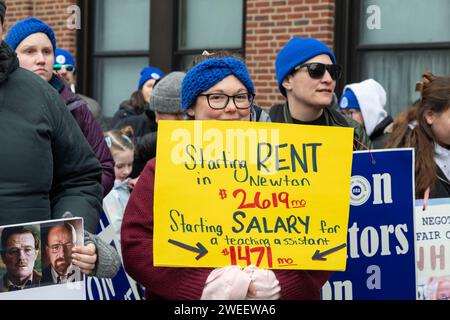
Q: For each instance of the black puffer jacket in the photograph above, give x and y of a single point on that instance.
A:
(142, 123)
(47, 166)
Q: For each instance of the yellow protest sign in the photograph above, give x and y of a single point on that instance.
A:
(273, 195)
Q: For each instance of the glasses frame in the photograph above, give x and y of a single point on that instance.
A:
(251, 99)
(68, 245)
(326, 67)
(58, 67)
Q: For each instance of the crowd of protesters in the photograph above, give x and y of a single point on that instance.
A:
(59, 157)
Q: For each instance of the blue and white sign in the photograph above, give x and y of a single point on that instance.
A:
(380, 252)
(121, 287)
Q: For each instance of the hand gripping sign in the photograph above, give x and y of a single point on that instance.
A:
(241, 193)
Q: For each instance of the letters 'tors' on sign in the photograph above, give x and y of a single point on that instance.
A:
(240, 193)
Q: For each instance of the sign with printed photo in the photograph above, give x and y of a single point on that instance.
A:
(433, 249)
(37, 260)
(380, 250)
(240, 193)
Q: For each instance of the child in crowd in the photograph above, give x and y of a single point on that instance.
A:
(121, 144)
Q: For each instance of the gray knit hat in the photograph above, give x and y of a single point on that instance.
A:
(166, 96)
(2, 10)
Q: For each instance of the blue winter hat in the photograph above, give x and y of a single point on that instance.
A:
(148, 73)
(294, 53)
(27, 27)
(64, 57)
(207, 73)
(349, 100)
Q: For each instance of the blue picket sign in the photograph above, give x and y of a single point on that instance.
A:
(380, 247)
(121, 287)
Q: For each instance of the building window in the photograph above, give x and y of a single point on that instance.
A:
(119, 37)
(121, 49)
(396, 42)
(208, 24)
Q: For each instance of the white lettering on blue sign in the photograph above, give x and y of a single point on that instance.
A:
(368, 241)
(338, 290)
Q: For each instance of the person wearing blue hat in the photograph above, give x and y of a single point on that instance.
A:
(35, 44)
(349, 106)
(149, 77)
(213, 89)
(135, 111)
(72, 159)
(36, 53)
(48, 167)
(364, 102)
(65, 66)
(306, 73)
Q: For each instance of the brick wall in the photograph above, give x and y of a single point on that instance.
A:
(270, 24)
(52, 12)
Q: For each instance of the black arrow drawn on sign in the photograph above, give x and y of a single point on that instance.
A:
(320, 255)
(200, 249)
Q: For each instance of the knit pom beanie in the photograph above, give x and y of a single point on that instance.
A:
(209, 72)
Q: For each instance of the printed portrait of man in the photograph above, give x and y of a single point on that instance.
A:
(59, 241)
(20, 249)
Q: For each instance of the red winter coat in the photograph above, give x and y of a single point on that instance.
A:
(185, 283)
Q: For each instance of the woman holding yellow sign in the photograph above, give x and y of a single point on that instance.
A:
(214, 89)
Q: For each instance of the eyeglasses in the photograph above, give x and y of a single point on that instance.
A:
(55, 248)
(28, 250)
(58, 67)
(219, 101)
(317, 70)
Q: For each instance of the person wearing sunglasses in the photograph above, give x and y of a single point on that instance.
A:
(364, 102)
(35, 44)
(307, 72)
(64, 65)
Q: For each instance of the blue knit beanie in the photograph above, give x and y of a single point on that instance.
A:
(27, 27)
(64, 57)
(294, 53)
(349, 100)
(148, 73)
(207, 73)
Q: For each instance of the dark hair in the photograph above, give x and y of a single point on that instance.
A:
(412, 130)
(137, 101)
(8, 232)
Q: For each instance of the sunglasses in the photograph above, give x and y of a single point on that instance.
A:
(58, 67)
(317, 70)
